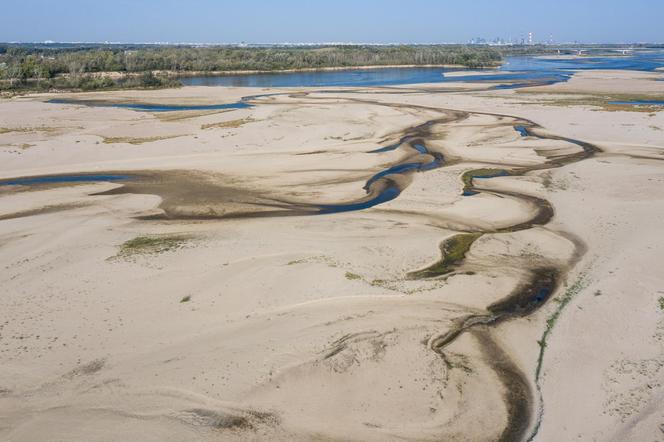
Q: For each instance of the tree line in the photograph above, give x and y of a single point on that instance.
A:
(74, 67)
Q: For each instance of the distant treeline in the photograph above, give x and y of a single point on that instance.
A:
(74, 67)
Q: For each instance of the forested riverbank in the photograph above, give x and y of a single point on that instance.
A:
(26, 67)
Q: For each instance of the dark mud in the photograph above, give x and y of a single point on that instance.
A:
(188, 195)
(523, 301)
(41, 211)
(453, 252)
(517, 394)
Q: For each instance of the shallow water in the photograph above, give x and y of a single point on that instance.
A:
(522, 130)
(390, 192)
(394, 170)
(56, 179)
(386, 148)
(155, 107)
(420, 148)
(496, 174)
(516, 72)
(367, 78)
(386, 195)
(640, 102)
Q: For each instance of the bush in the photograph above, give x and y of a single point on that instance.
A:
(94, 83)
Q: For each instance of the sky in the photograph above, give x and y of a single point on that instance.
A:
(358, 21)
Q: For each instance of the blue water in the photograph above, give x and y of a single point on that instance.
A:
(367, 78)
(386, 195)
(407, 167)
(420, 148)
(398, 169)
(350, 77)
(61, 179)
(522, 130)
(522, 70)
(156, 107)
(515, 73)
(492, 175)
(640, 102)
(391, 191)
(542, 294)
(386, 148)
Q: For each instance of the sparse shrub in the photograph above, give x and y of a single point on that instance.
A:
(352, 276)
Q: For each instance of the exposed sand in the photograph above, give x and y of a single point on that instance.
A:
(473, 72)
(610, 82)
(208, 300)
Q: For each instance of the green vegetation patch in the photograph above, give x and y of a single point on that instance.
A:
(186, 115)
(24, 130)
(136, 141)
(6, 130)
(453, 251)
(603, 101)
(468, 176)
(152, 245)
(83, 80)
(352, 276)
(661, 303)
(579, 284)
(232, 124)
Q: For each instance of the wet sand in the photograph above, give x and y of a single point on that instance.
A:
(238, 285)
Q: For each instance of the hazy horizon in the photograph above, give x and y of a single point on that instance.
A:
(296, 21)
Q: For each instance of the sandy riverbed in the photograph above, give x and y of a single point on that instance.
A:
(208, 299)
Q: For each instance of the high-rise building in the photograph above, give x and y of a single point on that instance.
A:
(530, 38)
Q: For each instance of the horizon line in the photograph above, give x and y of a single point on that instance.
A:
(326, 43)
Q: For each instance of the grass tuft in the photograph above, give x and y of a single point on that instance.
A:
(581, 283)
(453, 251)
(232, 124)
(152, 245)
(603, 101)
(352, 276)
(136, 141)
(6, 130)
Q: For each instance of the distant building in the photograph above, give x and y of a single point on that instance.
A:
(530, 38)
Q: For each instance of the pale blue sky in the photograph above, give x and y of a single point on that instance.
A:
(384, 21)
